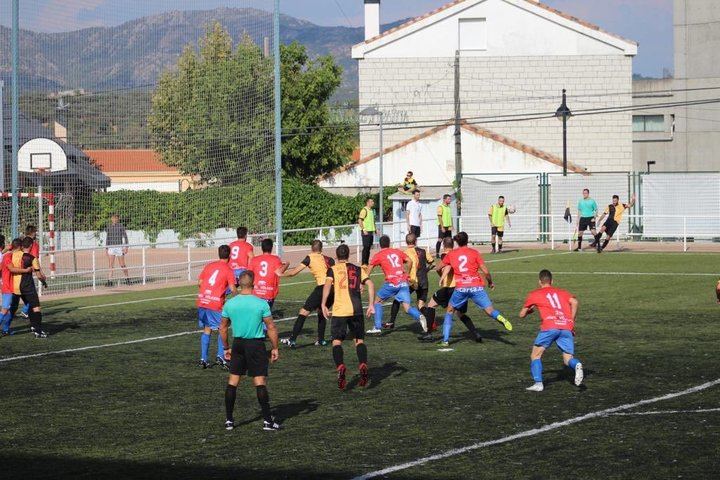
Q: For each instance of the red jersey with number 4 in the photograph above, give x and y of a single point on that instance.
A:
(7, 283)
(553, 305)
(466, 263)
(239, 251)
(215, 279)
(267, 281)
(392, 261)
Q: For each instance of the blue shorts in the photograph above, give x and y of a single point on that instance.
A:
(401, 292)
(209, 318)
(478, 296)
(7, 300)
(563, 339)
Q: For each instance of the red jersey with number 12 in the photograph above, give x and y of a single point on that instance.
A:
(215, 279)
(466, 263)
(239, 251)
(392, 261)
(553, 305)
(264, 267)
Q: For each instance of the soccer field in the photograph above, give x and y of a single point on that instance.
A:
(115, 390)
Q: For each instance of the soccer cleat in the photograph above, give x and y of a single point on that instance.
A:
(286, 341)
(443, 344)
(374, 331)
(579, 374)
(593, 243)
(24, 315)
(536, 387)
(505, 322)
(222, 362)
(229, 424)
(478, 337)
(577, 250)
(364, 375)
(321, 343)
(341, 381)
(203, 364)
(40, 334)
(423, 323)
(273, 426)
(426, 337)
(389, 325)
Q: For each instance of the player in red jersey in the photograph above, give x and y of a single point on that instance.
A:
(215, 281)
(267, 269)
(241, 252)
(558, 309)
(30, 231)
(10, 301)
(392, 262)
(467, 265)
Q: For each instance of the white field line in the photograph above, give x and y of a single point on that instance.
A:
(648, 274)
(535, 431)
(666, 412)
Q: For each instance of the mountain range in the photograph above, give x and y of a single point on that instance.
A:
(136, 52)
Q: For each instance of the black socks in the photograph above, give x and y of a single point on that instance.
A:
(338, 355)
(264, 401)
(230, 394)
(361, 353)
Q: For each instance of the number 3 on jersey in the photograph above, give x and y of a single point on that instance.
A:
(263, 269)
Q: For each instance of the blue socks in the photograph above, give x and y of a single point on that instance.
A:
(414, 313)
(221, 347)
(447, 326)
(378, 315)
(495, 314)
(536, 370)
(26, 309)
(204, 346)
(573, 362)
(5, 321)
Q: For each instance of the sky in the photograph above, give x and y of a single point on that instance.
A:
(647, 21)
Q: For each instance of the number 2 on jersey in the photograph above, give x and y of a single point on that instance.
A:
(463, 263)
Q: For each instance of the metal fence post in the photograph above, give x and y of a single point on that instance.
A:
(552, 233)
(684, 234)
(144, 266)
(94, 272)
(357, 244)
(189, 277)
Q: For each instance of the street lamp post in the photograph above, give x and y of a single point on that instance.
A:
(562, 114)
(372, 111)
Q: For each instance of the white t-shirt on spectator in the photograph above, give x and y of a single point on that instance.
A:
(414, 209)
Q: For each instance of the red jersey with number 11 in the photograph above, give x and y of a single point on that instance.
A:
(553, 305)
(392, 261)
(265, 268)
(215, 279)
(466, 263)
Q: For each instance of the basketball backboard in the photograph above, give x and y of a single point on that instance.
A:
(41, 154)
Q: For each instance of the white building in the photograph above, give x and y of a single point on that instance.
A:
(499, 58)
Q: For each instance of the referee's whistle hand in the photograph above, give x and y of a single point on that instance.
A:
(227, 354)
(274, 355)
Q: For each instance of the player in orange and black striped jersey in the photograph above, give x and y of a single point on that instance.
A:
(318, 265)
(420, 264)
(345, 281)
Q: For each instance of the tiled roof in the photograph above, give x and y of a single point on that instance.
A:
(534, 2)
(129, 161)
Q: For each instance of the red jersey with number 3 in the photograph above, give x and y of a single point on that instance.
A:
(215, 279)
(392, 261)
(553, 305)
(239, 251)
(7, 280)
(466, 263)
(267, 281)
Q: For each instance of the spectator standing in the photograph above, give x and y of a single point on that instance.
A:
(117, 247)
(414, 214)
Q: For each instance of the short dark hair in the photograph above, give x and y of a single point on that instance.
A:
(615, 196)
(448, 242)
(316, 246)
(266, 245)
(368, 199)
(586, 190)
(223, 252)
(242, 232)
(411, 239)
(415, 191)
(16, 243)
(30, 229)
(447, 195)
(410, 172)
(246, 279)
(501, 197)
(384, 241)
(545, 276)
(461, 239)
(27, 242)
(342, 252)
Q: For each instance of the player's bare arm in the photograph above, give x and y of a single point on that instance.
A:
(371, 295)
(444, 272)
(295, 270)
(574, 304)
(484, 270)
(280, 272)
(272, 334)
(224, 325)
(17, 270)
(325, 295)
(525, 311)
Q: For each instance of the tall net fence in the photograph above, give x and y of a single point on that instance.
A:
(166, 116)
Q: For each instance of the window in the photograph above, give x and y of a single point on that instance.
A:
(648, 123)
(472, 34)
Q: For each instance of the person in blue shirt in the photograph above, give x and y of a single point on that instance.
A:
(246, 314)
(587, 213)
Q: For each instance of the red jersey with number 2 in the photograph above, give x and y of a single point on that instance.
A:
(267, 282)
(215, 279)
(553, 305)
(239, 251)
(392, 261)
(466, 263)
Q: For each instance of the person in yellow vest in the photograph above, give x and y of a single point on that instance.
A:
(444, 221)
(366, 220)
(498, 214)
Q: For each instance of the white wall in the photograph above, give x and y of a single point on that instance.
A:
(157, 186)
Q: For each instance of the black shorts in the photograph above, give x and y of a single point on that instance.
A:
(414, 229)
(586, 223)
(421, 292)
(442, 298)
(31, 299)
(495, 231)
(249, 357)
(610, 227)
(341, 325)
(445, 234)
(314, 300)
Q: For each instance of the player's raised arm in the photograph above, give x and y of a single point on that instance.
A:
(632, 201)
(272, 334)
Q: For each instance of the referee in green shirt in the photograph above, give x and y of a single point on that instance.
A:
(366, 220)
(246, 314)
(587, 212)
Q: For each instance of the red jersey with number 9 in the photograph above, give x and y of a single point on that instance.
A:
(553, 305)
(264, 267)
(215, 279)
(466, 263)
(391, 260)
(239, 251)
